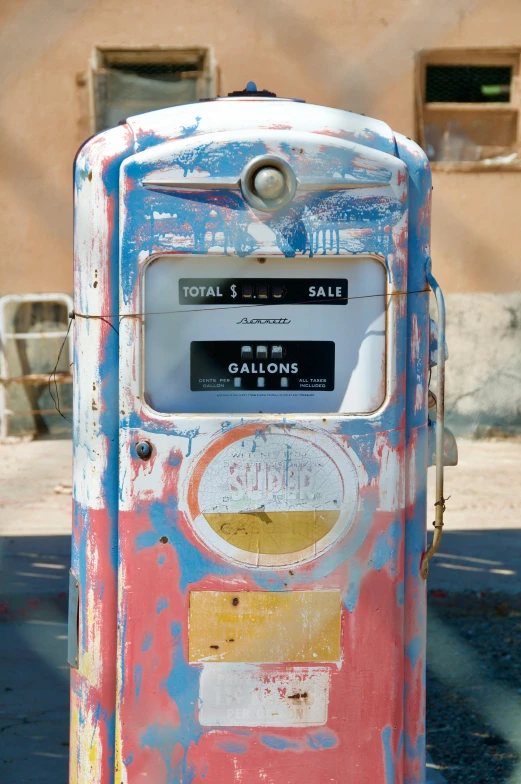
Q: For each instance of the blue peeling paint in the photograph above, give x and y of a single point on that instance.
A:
(162, 604)
(400, 593)
(182, 685)
(146, 539)
(138, 677)
(386, 549)
(189, 130)
(147, 642)
(161, 559)
(363, 447)
(415, 750)
(164, 738)
(193, 564)
(355, 575)
(322, 739)
(279, 743)
(390, 776)
(132, 421)
(385, 552)
(414, 650)
(174, 459)
(316, 741)
(394, 437)
(233, 747)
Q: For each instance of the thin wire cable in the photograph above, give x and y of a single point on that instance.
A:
(206, 308)
(56, 400)
(202, 308)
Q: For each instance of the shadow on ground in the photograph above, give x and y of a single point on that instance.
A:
(473, 686)
(33, 567)
(34, 674)
(478, 560)
(34, 699)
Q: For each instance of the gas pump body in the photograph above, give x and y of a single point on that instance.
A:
(250, 448)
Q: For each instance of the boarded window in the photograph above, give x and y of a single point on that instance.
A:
(126, 82)
(468, 105)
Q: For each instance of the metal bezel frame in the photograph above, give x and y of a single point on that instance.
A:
(162, 416)
(248, 189)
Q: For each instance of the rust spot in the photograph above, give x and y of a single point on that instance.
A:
(292, 573)
(232, 639)
(89, 175)
(298, 696)
(95, 284)
(215, 647)
(235, 601)
(93, 386)
(94, 406)
(164, 540)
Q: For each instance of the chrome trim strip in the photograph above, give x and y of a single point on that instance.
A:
(171, 183)
(234, 184)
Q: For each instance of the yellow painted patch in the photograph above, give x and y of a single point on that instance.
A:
(258, 626)
(272, 533)
(73, 736)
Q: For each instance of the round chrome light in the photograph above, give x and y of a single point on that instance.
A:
(268, 183)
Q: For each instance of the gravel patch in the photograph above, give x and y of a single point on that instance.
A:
(474, 686)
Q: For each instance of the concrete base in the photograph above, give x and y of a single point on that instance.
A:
(483, 389)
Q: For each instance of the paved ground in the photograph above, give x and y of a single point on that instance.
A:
(481, 545)
(34, 561)
(480, 552)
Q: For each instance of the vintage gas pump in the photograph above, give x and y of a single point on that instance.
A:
(252, 341)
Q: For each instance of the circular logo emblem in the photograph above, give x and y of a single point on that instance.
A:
(272, 497)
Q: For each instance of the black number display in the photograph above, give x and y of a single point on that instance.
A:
(263, 291)
(262, 366)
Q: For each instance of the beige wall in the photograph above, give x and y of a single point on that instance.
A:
(354, 54)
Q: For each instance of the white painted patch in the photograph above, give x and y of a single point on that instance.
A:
(231, 696)
(265, 238)
(391, 483)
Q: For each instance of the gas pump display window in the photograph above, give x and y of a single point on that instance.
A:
(243, 335)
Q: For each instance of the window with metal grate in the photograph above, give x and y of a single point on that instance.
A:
(126, 82)
(467, 84)
(468, 106)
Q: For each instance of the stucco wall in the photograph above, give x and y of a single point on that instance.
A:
(484, 366)
(353, 54)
